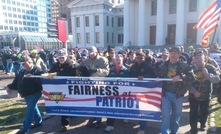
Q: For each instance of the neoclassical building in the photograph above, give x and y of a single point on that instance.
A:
(137, 22)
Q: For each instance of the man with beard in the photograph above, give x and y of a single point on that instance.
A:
(62, 68)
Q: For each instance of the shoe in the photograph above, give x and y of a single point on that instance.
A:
(98, 125)
(20, 132)
(140, 132)
(64, 128)
(89, 123)
(202, 128)
(35, 125)
(108, 129)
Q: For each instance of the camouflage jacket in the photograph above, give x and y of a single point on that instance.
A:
(183, 70)
(203, 83)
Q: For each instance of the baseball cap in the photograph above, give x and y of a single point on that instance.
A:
(198, 53)
(92, 50)
(140, 54)
(131, 52)
(176, 49)
(112, 50)
(34, 51)
(165, 53)
(61, 53)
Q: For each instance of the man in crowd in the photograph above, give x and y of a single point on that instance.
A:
(130, 60)
(29, 89)
(111, 57)
(173, 91)
(200, 95)
(97, 66)
(37, 60)
(62, 68)
(214, 48)
(141, 70)
(118, 70)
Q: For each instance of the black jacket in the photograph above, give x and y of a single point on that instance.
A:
(142, 70)
(182, 69)
(64, 69)
(27, 86)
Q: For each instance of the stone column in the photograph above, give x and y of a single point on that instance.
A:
(141, 23)
(180, 22)
(160, 37)
(74, 32)
(126, 22)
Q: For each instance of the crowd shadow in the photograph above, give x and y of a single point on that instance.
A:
(78, 126)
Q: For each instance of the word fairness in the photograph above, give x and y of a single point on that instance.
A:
(106, 96)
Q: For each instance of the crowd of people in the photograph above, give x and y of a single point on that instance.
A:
(192, 71)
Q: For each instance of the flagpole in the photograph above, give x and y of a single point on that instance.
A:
(217, 26)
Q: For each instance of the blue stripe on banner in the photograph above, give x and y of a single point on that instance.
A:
(53, 81)
(104, 112)
(148, 84)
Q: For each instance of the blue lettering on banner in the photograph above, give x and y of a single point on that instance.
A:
(124, 102)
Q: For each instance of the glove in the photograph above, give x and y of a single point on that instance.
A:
(49, 75)
(91, 71)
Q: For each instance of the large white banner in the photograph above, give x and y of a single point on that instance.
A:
(127, 99)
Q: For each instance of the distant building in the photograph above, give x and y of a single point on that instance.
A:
(137, 22)
(60, 10)
(97, 22)
(25, 15)
(28, 41)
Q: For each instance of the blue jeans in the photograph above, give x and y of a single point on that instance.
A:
(32, 112)
(143, 125)
(98, 119)
(17, 68)
(9, 67)
(170, 119)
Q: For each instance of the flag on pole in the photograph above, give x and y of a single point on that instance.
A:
(208, 20)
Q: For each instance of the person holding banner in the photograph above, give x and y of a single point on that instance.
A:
(141, 69)
(200, 96)
(118, 70)
(173, 91)
(97, 66)
(62, 68)
(29, 89)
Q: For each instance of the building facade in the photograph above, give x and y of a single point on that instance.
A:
(23, 24)
(161, 22)
(97, 22)
(25, 15)
(60, 10)
(137, 22)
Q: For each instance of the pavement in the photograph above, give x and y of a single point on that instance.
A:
(51, 124)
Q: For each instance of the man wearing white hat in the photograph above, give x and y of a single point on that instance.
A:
(62, 68)
(97, 66)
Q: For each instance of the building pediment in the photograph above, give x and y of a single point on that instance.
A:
(81, 3)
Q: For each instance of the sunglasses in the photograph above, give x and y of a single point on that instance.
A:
(139, 57)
